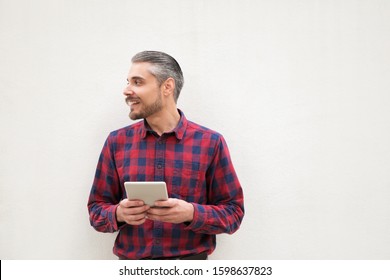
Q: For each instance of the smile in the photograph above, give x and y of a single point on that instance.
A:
(132, 102)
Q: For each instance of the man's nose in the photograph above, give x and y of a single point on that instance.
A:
(128, 91)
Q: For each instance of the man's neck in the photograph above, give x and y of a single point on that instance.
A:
(164, 121)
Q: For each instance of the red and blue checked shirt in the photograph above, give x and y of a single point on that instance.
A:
(195, 164)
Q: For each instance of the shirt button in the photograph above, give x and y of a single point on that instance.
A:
(159, 166)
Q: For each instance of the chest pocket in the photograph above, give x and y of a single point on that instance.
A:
(186, 180)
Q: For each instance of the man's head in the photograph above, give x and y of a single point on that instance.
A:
(163, 67)
(153, 85)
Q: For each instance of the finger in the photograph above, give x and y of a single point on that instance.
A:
(158, 211)
(136, 222)
(134, 218)
(160, 218)
(136, 210)
(154, 217)
(131, 203)
(165, 203)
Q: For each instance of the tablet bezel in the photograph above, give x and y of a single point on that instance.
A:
(149, 192)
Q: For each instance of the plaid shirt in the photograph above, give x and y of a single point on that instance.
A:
(195, 164)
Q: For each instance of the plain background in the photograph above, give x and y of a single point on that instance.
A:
(299, 89)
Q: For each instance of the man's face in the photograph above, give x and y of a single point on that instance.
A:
(143, 93)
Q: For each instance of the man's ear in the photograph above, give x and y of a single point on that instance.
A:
(168, 86)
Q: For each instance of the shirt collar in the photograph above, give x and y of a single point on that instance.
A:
(179, 130)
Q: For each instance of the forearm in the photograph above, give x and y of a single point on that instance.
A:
(102, 216)
(216, 219)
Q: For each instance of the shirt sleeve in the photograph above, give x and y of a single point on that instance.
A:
(106, 192)
(225, 208)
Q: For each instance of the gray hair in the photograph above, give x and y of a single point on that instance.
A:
(164, 67)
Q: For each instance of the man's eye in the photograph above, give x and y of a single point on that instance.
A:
(135, 82)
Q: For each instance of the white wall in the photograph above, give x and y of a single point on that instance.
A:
(299, 89)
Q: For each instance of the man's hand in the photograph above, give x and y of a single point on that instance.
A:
(171, 211)
(132, 212)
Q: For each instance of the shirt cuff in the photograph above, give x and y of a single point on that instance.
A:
(200, 218)
(114, 222)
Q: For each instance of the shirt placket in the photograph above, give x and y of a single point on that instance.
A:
(159, 165)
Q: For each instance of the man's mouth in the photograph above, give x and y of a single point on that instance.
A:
(132, 102)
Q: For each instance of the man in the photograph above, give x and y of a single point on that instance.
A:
(205, 196)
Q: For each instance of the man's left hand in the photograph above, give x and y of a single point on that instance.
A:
(172, 210)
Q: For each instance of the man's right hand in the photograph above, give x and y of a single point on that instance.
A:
(132, 212)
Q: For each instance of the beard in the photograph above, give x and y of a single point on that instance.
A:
(147, 110)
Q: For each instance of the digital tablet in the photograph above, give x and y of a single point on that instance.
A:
(149, 192)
